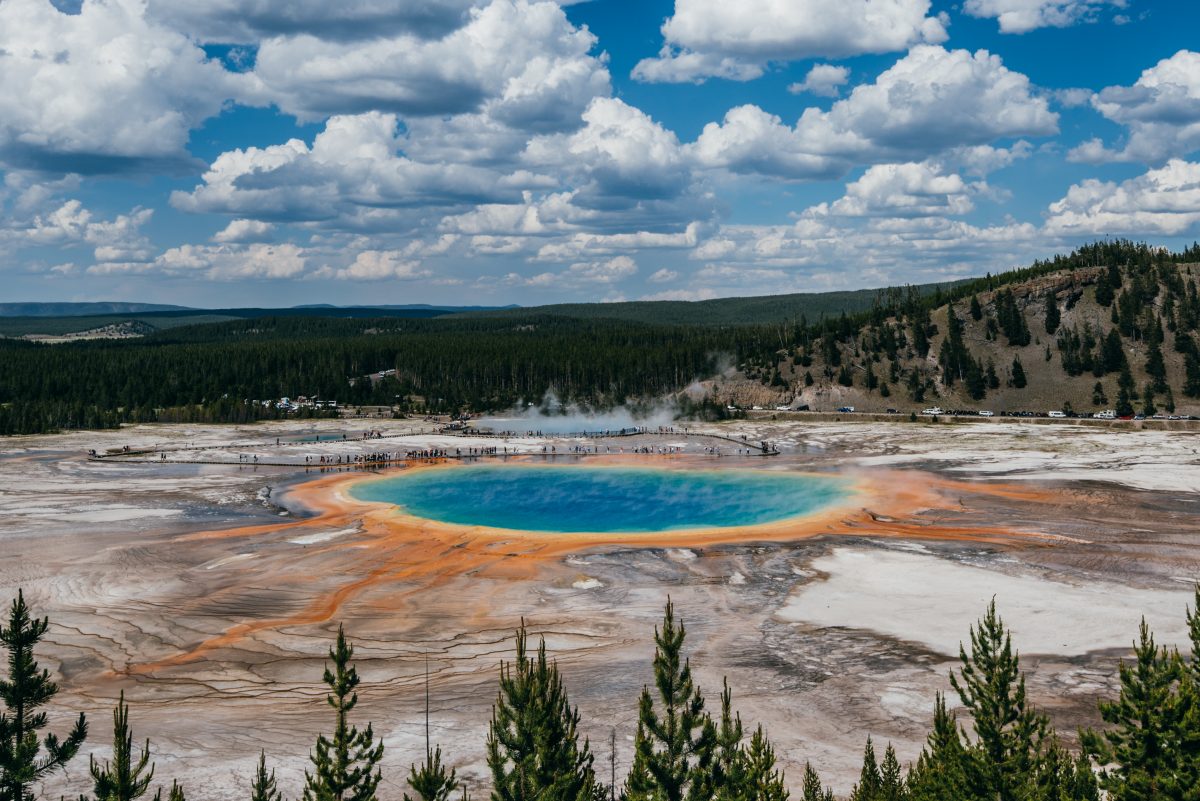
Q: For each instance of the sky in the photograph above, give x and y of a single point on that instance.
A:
(483, 152)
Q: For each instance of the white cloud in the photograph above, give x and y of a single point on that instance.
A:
(1161, 111)
(663, 276)
(522, 61)
(378, 265)
(1164, 201)
(929, 101)
(104, 90)
(579, 244)
(351, 177)
(1022, 16)
(587, 273)
(824, 80)
(72, 224)
(218, 262)
(903, 190)
(715, 38)
(243, 231)
(619, 152)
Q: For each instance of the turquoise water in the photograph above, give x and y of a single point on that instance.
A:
(603, 499)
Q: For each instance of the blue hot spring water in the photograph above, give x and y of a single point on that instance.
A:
(603, 499)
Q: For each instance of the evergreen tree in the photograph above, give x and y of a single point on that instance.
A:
(1018, 373)
(431, 782)
(1061, 777)
(1191, 372)
(940, 773)
(264, 787)
(760, 780)
(728, 775)
(891, 787)
(1112, 352)
(122, 778)
(1137, 753)
(1148, 407)
(1009, 734)
(812, 785)
(672, 745)
(870, 781)
(976, 309)
(1125, 392)
(26, 690)
(533, 747)
(176, 793)
(1156, 367)
(1052, 315)
(344, 765)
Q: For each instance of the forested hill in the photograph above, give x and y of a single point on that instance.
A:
(753, 310)
(78, 309)
(1112, 325)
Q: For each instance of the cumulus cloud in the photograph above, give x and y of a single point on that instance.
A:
(70, 224)
(713, 38)
(1022, 16)
(929, 101)
(378, 265)
(620, 152)
(523, 61)
(587, 273)
(352, 176)
(1161, 112)
(903, 190)
(218, 262)
(101, 91)
(824, 80)
(1162, 201)
(243, 231)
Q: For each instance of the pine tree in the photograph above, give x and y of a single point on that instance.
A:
(1009, 734)
(812, 784)
(1137, 753)
(431, 782)
(344, 765)
(870, 781)
(976, 309)
(940, 772)
(1061, 777)
(1018, 373)
(1187, 724)
(891, 786)
(176, 793)
(533, 747)
(760, 779)
(673, 745)
(26, 690)
(264, 787)
(123, 778)
(1052, 315)
(727, 777)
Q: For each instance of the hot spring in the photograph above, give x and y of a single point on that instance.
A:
(606, 499)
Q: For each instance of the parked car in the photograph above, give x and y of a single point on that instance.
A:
(845, 409)
(934, 410)
(1107, 414)
(986, 413)
(1056, 413)
(892, 411)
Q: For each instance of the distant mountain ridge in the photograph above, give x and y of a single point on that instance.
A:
(36, 309)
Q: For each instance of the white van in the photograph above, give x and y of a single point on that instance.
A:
(986, 413)
(1057, 413)
(1107, 414)
(934, 410)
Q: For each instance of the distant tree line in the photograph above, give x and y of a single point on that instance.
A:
(1001, 749)
(216, 372)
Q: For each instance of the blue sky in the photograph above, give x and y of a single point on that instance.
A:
(247, 152)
